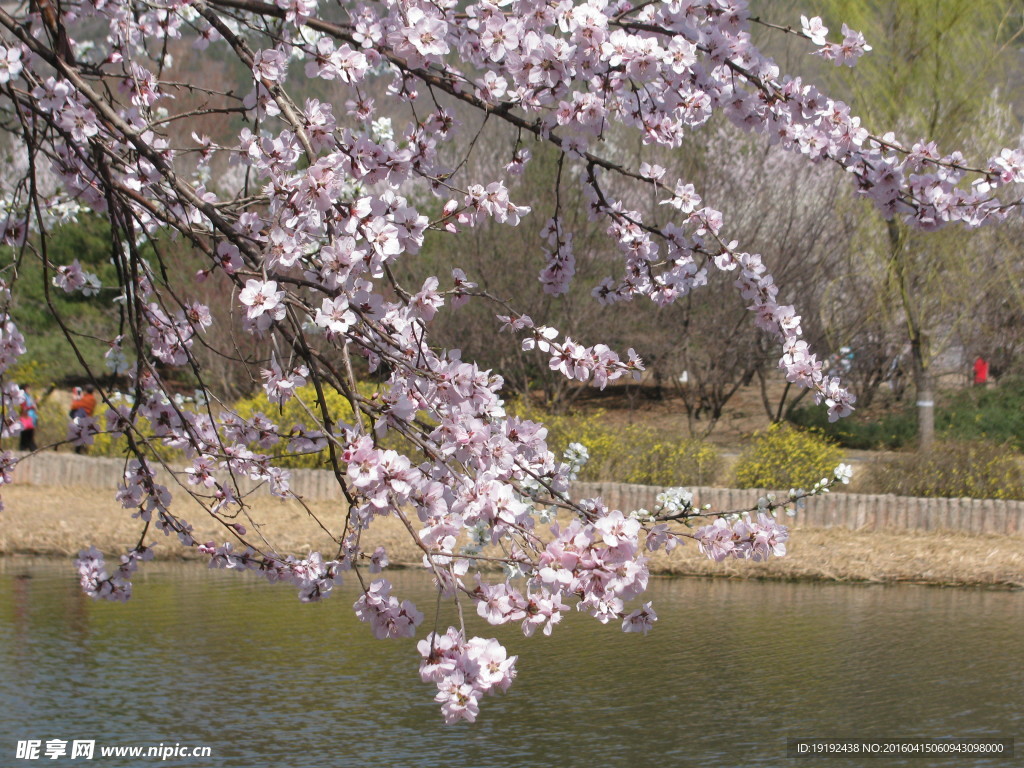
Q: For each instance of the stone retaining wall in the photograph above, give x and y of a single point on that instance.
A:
(835, 510)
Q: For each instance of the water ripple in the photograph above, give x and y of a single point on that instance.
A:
(731, 671)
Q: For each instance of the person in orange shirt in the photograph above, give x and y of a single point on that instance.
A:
(83, 403)
(88, 400)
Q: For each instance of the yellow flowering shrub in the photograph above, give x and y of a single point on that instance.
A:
(116, 446)
(296, 411)
(964, 468)
(287, 416)
(627, 454)
(106, 444)
(783, 457)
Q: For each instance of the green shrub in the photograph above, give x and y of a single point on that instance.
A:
(631, 454)
(29, 373)
(783, 457)
(980, 413)
(35, 308)
(962, 468)
(975, 413)
(886, 432)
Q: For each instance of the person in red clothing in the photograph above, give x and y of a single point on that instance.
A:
(83, 403)
(980, 372)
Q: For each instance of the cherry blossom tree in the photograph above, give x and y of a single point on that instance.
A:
(343, 151)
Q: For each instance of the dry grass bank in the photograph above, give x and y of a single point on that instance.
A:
(61, 521)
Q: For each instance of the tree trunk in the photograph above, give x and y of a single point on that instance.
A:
(920, 351)
(924, 385)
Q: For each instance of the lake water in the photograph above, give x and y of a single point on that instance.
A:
(215, 659)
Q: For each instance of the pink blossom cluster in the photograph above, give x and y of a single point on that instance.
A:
(141, 491)
(464, 671)
(503, 603)
(576, 361)
(845, 53)
(12, 344)
(71, 278)
(8, 461)
(598, 565)
(82, 430)
(100, 585)
(314, 576)
(386, 615)
(743, 538)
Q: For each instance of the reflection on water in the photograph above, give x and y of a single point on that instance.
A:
(731, 670)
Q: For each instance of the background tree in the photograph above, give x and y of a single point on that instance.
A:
(786, 210)
(508, 265)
